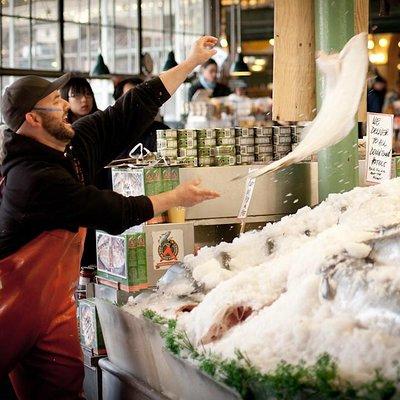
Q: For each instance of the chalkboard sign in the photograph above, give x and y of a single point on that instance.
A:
(379, 147)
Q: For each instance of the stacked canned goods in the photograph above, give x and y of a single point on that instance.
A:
(297, 132)
(295, 136)
(263, 147)
(167, 143)
(244, 146)
(282, 141)
(225, 151)
(187, 147)
(206, 143)
(227, 146)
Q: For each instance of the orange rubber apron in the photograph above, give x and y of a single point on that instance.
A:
(39, 344)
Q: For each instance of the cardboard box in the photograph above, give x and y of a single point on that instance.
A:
(167, 244)
(90, 333)
(146, 181)
(122, 259)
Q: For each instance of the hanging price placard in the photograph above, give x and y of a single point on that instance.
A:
(379, 147)
(248, 194)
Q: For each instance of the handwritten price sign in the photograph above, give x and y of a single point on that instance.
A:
(248, 194)
(379, 147)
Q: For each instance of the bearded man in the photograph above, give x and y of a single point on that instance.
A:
(46, 204)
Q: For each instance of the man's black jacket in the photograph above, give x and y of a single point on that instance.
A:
(46, 189)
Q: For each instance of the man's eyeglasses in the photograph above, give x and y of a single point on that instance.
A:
(47, 109)
(80, 96)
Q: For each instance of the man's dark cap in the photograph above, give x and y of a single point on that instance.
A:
(20, 97)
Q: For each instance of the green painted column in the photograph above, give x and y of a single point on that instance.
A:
(337, 165)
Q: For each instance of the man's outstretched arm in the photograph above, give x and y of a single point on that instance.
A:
(102, 136)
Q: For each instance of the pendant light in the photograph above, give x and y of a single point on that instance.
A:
(239, 67)
(171, 62)
(100, 68)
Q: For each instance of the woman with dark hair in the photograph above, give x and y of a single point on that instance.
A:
(80, 96)
(208, 79)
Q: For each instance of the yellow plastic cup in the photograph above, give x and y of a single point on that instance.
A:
(177, 215)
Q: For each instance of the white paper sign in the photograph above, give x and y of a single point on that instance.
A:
(167, 248)
(379, 147)
(248, 194)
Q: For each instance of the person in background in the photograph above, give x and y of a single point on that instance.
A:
(376, 95)
(392, 97)
(208, 80)
(149, 137)
(80, 97)
(79, 94)
(239, 101)
(240, 91)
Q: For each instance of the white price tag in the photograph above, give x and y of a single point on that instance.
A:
(248, 194)
(379, 147)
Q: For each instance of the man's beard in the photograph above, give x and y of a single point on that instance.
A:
(57, 129)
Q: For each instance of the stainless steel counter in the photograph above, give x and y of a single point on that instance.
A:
(278, 193)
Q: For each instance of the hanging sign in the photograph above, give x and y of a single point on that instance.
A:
(379, 147)
(248, 194)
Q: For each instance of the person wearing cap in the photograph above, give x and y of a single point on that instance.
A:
(47, 201)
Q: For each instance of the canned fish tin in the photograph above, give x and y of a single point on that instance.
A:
(187, 143)
(189, 161)
(187, 134)
(282, 130)
(226, 133)
(283, 139)
(263, 149)
(167, 144)
(263, 140)
(297, 132)
(225, 151)
(244, 132)
(244, 141)
(207, 134)
(263, 131)
(206, 151)
(221, 161)
(242, 160)
(225, 141)
(171, 133)
(245, 150)
(168, 153)
(160, 134)
(278, 156)
(282, 148)
(203, 142)
(206, 161)
(186, 152)
(264, 157)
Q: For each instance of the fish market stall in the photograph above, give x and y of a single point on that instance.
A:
(320, 293)
(306, 306)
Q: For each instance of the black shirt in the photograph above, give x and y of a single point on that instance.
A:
(46, 189)
(220, 90)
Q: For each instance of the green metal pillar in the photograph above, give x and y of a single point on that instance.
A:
(337, 165)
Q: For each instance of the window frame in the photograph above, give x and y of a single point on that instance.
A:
(61, 21)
